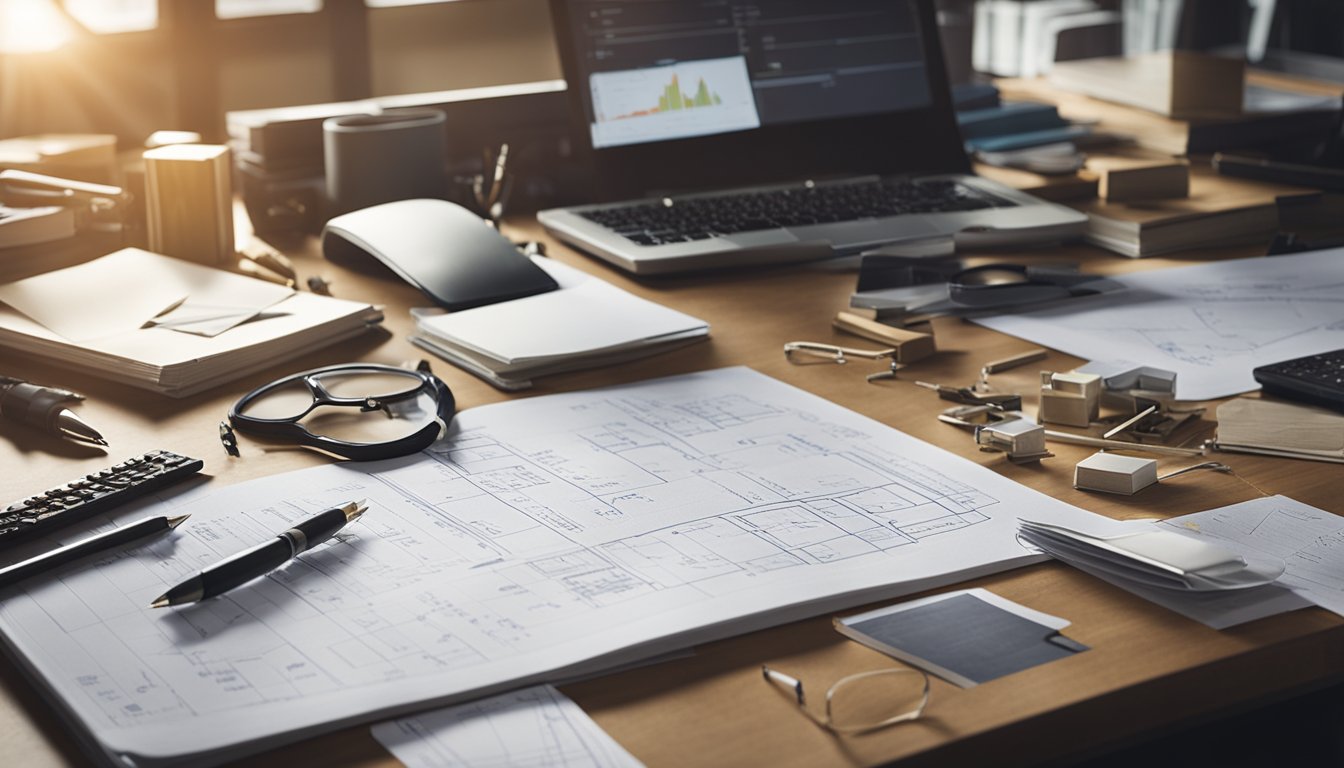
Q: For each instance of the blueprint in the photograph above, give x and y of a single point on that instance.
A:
(536, 727)
(544, 537)
(1211, 323)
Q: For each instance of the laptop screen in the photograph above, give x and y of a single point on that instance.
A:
(685, 95)
(656, 70)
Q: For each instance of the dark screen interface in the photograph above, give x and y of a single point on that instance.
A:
(655, 70)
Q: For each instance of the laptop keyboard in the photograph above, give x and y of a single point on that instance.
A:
(680, 220)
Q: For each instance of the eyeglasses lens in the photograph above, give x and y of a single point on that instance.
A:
(375, 384)
(868, 701)
(405, 409)
(287, 401)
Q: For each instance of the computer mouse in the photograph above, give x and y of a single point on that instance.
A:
(441, 248)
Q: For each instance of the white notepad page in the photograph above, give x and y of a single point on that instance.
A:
(586, 314)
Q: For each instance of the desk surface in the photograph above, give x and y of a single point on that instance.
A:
(1148, 668)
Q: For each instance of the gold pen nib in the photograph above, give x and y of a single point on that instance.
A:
(354, 509)
(160, 602)
(173, 522)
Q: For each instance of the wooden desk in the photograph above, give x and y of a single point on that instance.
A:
(1147, 668)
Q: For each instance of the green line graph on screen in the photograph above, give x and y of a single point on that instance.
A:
(672, 98)
(685, 98)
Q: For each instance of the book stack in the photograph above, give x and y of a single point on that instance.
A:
(83, 156)
(1015, 125)
(1271, 115)
(1219, 211)
(586, 323)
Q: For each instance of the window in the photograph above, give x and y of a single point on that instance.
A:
(111, 16)
(395, 3)
(241, 9)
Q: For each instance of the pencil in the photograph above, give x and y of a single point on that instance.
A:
(71, 552)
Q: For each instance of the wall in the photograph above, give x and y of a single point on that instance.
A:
(459, 45)
(127, 84)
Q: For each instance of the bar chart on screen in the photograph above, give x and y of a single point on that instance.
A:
(691, 98)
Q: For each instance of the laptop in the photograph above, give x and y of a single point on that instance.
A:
(732, 132)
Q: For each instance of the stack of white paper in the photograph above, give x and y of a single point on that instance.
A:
(1151, 556)
(585, 324)
(168, 325)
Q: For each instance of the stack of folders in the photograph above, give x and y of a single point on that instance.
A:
(1146, 556)
(167, 325)
(1250, 425)
(586, 323)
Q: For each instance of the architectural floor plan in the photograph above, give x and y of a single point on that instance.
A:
(549, 535)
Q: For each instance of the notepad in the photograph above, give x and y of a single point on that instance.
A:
(99, 317)
(586, 323)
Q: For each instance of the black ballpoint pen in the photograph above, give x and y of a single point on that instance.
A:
(70, 552)
(261, 559)
(41, 407)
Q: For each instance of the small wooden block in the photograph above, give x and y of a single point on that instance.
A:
(909, 345)
(1114, 473)
(189, 200)
(1122, 180)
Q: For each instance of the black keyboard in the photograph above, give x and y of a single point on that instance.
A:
(678, 220)
(1317, 379)
(89, 495)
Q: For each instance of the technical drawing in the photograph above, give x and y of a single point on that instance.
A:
(543, 534)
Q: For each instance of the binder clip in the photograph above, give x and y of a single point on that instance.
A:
(981, 393)
(1003, 401)
(998, 431)
(1136, 389)
(1022, 441)
(1147, 396)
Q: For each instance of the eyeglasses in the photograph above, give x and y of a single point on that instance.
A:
(841, 355)
(359, 411)
(862, 702)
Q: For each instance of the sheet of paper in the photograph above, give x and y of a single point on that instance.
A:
(125, 290)
(544, 538)
(1210, 323)
(537, 727)
(1309, 540)
(1218, 610)
(109, 295)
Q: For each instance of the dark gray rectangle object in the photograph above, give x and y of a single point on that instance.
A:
(969, 637)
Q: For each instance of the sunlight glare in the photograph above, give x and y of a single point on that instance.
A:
(32, 26)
